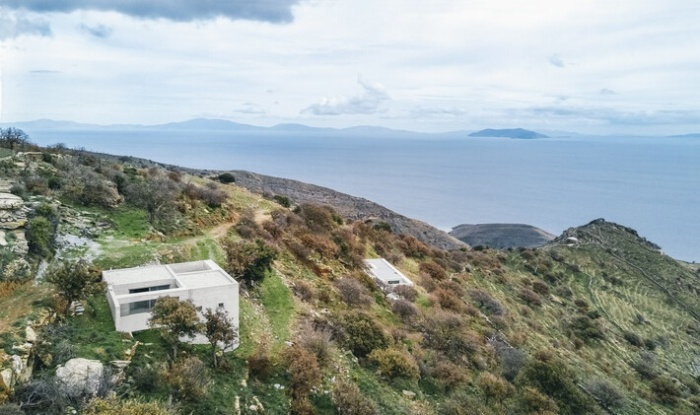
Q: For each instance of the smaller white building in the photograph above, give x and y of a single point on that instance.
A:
(132, 292)
(386, 274)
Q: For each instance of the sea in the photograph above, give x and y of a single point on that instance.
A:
(651, 184)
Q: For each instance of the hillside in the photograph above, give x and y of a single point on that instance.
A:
(502, 235)
(597, 321)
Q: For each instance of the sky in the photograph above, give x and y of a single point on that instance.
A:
(593, 66)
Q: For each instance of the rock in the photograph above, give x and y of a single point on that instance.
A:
(7, 380)
(253, 408)
(17, 364)
(120, 364)
(80, 376)
(13, 214)
(8, 201)
(30, 334)
(23, 349)
(3, 241)
(409, 394)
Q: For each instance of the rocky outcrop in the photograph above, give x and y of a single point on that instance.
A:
(349, 207)
(13, 212)
(80, 377)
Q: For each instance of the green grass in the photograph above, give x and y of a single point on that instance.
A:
(129, 223)
(6, 152)
(279, 306)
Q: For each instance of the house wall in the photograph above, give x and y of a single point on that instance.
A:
(124, 288)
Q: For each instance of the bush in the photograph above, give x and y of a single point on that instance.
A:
(495, 389)
(665, 390)
(226, 178)
(608, 395)
(487, 303)
(404, 309)
(445, 332)
(259, 363)
(532, 401)
(349, 400)
(282, 200)
(646, 366)
(304, 371)
(540, 288)
(407, 292)
(40, 237)
(249, 261)
(530, 297)
(586, 329)
(394, 363)
(352, 292)
(317, 341)
(633, 338)
(435, 271)
(361, 334)
(188, 379)
(448, 374)
(412, 247)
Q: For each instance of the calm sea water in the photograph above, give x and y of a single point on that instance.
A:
(649, 184)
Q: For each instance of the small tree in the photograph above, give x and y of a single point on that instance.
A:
(219, 329)
(250, 261)
(75, 281)
(13, 138)
(174, 319)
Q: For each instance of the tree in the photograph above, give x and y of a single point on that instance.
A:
(250, 261)
(219, 329)
(174, 319)
(157, 196)
(40, 237)
(75, 281)
(13, 138)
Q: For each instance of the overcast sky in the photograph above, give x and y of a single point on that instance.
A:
(598, 66)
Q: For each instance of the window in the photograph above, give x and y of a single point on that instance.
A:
(148, 289)
(141, 306)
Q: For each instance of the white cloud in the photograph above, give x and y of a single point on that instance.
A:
(13, 25)
(370, 101)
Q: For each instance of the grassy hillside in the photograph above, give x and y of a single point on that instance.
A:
(602, 323)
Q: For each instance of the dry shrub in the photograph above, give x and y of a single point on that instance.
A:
(448, 300)
(446, 332)
(320, 218)
(428, 283)
(448, 374)
(304, 291)
(304, 371)
(540, 288)
(607, 394)
(454, 287)
(666, 390)
(353, 292)
(406, 292)
(395, 363)
(302, 406)
(188, 378)
(412, 247)
(486, 302)
(404, 309)
(318, 341)
(532, 401)
(361, 334)
(300, 251)
(321, 244)
(259, 363)
(493, 387)
(349, 400)
(530, 297)
(435, 271)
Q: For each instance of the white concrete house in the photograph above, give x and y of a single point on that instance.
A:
(132, 292)
(386, 274)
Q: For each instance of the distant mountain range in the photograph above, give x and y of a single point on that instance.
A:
(508, 133)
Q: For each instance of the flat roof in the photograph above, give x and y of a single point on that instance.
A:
(137, 274)
(381, 269)
(188, 275)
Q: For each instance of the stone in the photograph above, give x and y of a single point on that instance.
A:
(30, 334)
(7, 379)
(120, 364)
(3, 241)
(8, 201)
(409, 394)
(23, 349)
(80, 376)
(17, 364)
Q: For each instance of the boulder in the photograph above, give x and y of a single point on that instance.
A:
(3, 241)
(80, 377)
(30, 334)
(7, 380)
(17, 364)
(13, 213)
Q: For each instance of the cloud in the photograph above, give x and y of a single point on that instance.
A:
(368, 102)
(557, 61)
(250, 108)
(44, 72)
(607, 91)
(613, 116)
(437, 112)
(13, 25)
(100, 31)
(275, 11)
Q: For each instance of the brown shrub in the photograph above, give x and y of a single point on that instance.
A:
(404, 309)
(448, 300)
(493, 387)
(486, 302)
(412, 247)
(304, 291)
(665, 389)
(188, 378)
(407, 292)
(454, 287)
(353, 292)
(349, 400)
(448, 374)
(318, 341)
(395, 363)
(304, 371)
(530, 297)
(540, 288)
(259, 363)
(435, 271)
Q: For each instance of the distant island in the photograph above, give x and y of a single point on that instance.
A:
(508, 133)
(692, 135)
